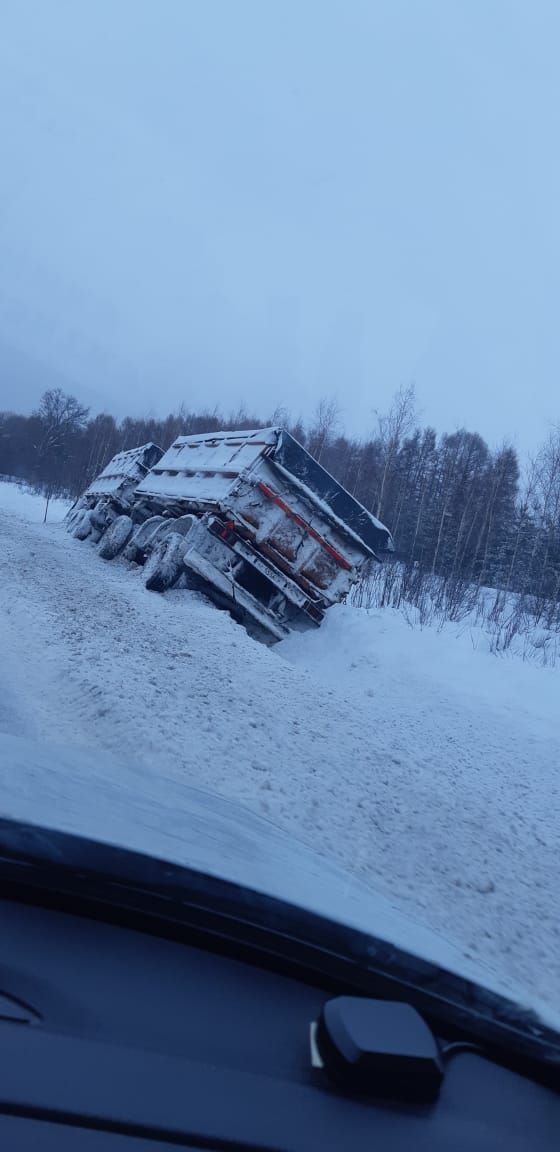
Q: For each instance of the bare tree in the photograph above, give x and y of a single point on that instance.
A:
(393, 427)
(280, 417)
(546, 511)
(326, 421)
(61, 419)
(61, 415)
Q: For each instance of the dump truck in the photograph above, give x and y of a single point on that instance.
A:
(253, 520)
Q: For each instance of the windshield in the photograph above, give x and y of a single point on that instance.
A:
(280, 472)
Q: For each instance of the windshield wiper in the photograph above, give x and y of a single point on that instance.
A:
(89, 878)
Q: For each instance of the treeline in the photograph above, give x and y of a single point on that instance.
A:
(456, 507)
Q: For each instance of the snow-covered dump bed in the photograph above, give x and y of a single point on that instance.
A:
(203, 470)
(124, 469)
(208, 472)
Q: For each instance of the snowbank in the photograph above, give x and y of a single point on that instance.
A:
(357, 646)
(21, 500)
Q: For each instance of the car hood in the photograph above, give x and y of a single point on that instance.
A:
(90, 794)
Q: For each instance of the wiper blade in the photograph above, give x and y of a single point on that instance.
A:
(91, 878)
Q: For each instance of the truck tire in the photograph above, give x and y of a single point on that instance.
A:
(183, 524)
(116, 537)
(102, 516)
(179, 526)
(139, 543)
(165, 565)
(82, 528)
(75, 513)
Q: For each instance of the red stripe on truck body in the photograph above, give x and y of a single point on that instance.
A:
(340, 560)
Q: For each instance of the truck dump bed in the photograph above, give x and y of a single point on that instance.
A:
(124, 471)
(201, 473)
(278, 535)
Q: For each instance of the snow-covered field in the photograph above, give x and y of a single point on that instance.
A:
(421, 763)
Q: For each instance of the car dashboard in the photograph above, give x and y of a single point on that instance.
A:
(116, 1038)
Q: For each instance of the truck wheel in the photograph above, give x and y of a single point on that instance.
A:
(74, 515)
(116, 537)
(165, 565)
(162, 530)
(183, 524)
(178, 525)
(139, 543)
(102, 516)
(83, 528)
(71, 518)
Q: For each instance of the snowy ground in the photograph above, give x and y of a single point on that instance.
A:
(424, 765)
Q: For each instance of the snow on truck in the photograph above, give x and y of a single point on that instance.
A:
(112, 491)
(249, 517)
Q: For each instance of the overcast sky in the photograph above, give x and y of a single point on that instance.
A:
(267, 201)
